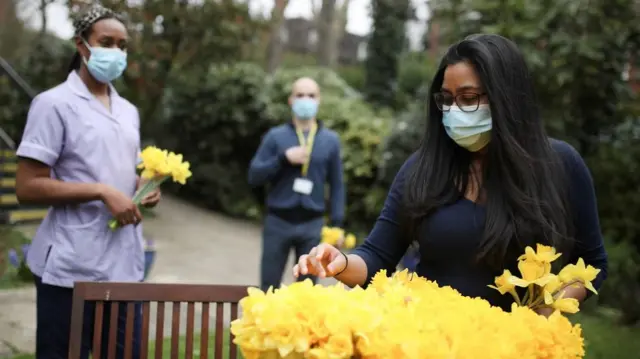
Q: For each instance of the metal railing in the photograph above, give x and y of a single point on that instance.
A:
(6, 68)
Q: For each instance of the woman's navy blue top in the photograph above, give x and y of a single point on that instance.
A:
(449, 238)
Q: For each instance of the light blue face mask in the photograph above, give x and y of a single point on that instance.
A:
(470, 130)
(304, 108)
(106, 64)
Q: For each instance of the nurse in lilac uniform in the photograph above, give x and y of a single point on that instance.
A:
(78, 154)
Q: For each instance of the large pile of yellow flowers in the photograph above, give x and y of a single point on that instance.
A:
(157, 166)
(405, 317)
(336, 236)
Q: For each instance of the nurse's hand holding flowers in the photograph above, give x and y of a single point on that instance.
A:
(157, 166)
(152, 199)
(120, 205)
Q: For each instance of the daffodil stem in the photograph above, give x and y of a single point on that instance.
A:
(536, 302)
(516, 297)
(531, 293)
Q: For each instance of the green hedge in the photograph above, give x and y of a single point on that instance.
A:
(217, 121)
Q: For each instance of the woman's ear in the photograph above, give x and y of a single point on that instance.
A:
(81, 47)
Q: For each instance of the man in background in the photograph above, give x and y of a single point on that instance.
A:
(295, 161)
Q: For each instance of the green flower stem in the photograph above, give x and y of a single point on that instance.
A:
(516, 298)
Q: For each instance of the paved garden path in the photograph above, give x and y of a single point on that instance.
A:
(193, 245)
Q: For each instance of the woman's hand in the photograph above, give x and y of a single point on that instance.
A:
(322, 261)
(121, 206)
(545, 311)
(152, 199)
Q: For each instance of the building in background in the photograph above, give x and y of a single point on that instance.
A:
(300, 35)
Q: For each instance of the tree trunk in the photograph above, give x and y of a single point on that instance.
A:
(275, 47)
(326, 33)
(43, 16)
(339, 30)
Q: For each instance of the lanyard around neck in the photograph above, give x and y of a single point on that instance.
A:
(308, 144)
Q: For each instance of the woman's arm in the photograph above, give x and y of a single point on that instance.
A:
(384, 247)
(35, 186)
(39, 150)
(589, 243)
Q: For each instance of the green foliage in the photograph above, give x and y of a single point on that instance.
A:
(193, 36)
(604, 339)
(404, 139)
(45, 67)
(354, 75)
(416, 70)
(217, 122)
(11, 277)
(386, 43)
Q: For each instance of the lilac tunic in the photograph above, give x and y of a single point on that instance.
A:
(69, 130)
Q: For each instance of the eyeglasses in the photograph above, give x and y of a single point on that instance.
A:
(467, 102)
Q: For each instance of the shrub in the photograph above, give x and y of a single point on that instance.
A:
(217, 122)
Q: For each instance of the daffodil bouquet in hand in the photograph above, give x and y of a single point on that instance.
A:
(543, 288)
(157, 166)
(336, 237)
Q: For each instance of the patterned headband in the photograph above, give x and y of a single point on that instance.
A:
(90, 17)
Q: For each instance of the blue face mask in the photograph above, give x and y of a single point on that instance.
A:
(106, 64)
(471, 130)
(305, 108)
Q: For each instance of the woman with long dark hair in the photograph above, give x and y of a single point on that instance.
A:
(485, 183)
(78, 154)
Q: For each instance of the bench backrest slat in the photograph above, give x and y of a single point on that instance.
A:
(103, 302)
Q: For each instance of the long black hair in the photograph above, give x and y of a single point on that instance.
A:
(522, 176)
(84, 28)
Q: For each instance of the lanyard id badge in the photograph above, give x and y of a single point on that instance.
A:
(302, 184)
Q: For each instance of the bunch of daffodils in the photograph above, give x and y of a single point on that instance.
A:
(336, 237)
(157, 166)
(399, 317)
(543, 288)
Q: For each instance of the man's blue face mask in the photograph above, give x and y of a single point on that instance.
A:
(305, 108)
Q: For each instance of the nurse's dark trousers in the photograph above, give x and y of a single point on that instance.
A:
(53, 319)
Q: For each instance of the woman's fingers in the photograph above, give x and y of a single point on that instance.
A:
(301, 268)
(131, 216)
(317, 266)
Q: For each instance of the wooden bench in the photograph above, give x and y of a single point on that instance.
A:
(143, 294)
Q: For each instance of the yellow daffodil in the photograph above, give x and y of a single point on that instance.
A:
(333, 236)
(579, 272)
(157, 166)
(350, 241)
(533, 272)
(566, 305)
(545, 289)
(316, 322)
(550, 288)
(543, 254)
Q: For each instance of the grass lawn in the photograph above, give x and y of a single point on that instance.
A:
(166, 348)
(604, 340)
